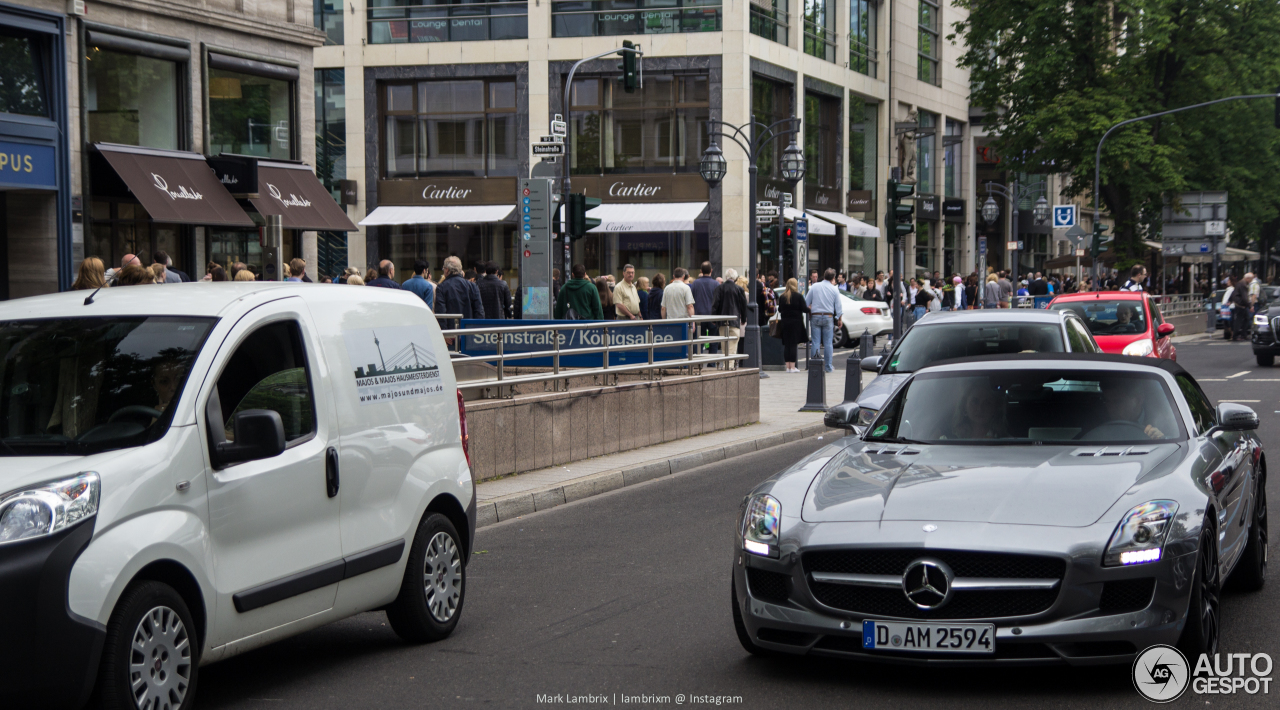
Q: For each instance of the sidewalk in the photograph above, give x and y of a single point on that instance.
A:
(781, 396)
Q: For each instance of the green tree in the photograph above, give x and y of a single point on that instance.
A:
(1054, 75)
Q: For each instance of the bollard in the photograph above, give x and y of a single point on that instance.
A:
(866, 344)
(852, 379)
(1213, 318)
(816, 398)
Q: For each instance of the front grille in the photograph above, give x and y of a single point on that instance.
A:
(1126, 595)
(964, 604)
(767, 586)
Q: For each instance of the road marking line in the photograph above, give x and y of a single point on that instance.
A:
(1253, 380)
(1210, 380)
(1241, 401)
(1237, 374)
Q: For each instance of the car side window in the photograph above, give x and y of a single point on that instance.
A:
(1078, 344)
(269, 371)
(1201, 409)
(1156, 318)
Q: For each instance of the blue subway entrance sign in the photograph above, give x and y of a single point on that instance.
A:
(480, 344)
(26, 165)
(1064, 216)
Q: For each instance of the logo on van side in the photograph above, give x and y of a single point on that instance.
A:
(393, 363)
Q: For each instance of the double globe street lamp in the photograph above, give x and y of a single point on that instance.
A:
(1015, 194)
(713, 168)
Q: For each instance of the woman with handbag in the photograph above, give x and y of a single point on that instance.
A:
(791, 324)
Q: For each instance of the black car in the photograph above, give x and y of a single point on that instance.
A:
(1265, 343)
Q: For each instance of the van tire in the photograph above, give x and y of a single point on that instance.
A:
(434, 585)
(158, 613)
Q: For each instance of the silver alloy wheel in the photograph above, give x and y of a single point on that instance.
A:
(160, 661)
(443, 577)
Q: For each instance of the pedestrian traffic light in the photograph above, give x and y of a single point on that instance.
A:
(901, 216)
(1096, 247)
(578, 223)
(768, 237)
(629, 67)
(788, 250)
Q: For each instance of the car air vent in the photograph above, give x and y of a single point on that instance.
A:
(889, 450)
(1114, 451)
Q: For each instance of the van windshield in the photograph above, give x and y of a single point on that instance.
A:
(77, 386)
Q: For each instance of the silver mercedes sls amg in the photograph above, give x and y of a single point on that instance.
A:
(1025, 509)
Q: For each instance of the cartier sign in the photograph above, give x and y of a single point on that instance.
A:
(859, 201)
(773, 191)
(447, 191)
(643, 187)
(819, 198)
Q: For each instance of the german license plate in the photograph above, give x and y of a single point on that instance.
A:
(928, 638)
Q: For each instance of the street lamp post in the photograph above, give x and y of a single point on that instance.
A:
(1013, 195)
(713, 169)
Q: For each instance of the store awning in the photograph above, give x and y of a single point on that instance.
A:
(820, 227)
(174, 186)
(292, 191)
(452, 214)
(647, 217)
(856, 228)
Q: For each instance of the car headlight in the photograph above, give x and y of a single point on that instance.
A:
(1260, 320)
(866, 416)
(760, 526)
(1138, 348)
(48, 508)
(1141, 535)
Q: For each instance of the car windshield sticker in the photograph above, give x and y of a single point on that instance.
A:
(393, 363)
(880, 430)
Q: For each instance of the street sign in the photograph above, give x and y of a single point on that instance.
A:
(550, 139)
(787, 199)
(1020, 243)
(1076, 235)
(802, 230)
(1215, 228)
(766, 208)
(1079, 252)
(982, 246)
(1011, 245)
(763, 219)
(537, 202)
(558, 126)
(548, 148)
(1064, 216)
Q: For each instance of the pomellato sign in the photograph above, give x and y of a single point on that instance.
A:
(291, 201)
(447, 191)
(182, 193)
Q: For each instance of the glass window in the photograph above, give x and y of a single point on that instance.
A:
(399, 21)
(1080, 340)
(22, 83)
(660, 129)
(863, 144)
(819, 37)
(769, 19)
(925, 147)
(269, 371)
(770, 102)
(1201, 410)
(595, 18)
(474, 244)
(862, 36)
(250, 115)
(131, 99)
(821, 140)
(1108, 317)
(77, 386)
(930, 50)
(331, 128)
(1023, 407)
(952, 150)
(450, 128)
(923, 345)
(327, 15)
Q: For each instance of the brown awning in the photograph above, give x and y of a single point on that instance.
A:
(175, 186)
(292, 191)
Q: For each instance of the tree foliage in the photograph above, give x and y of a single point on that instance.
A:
(1055, 75)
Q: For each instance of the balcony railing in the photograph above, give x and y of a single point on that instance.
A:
(862, 57)
(770, 22)
(819, 41)
(447, 22)
(587, 19)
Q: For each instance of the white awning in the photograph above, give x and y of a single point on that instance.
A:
(857, 228)
(820, 227)
(647, 217)
(455, 214)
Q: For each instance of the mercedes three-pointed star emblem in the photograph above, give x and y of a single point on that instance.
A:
(927, 583)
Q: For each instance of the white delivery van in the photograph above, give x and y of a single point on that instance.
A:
(191, 471)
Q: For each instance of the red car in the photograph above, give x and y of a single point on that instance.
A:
(1123, 322)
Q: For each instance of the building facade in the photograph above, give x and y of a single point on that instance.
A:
(112, 109)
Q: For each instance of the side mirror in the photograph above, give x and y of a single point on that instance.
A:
(259, 434)
(842, 416)
(1237, 417)
(871, 364)
(1164, 329)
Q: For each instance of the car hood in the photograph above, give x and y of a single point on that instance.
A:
(1062, 486)
(878, 390)
(18, 472)
(1115, 344)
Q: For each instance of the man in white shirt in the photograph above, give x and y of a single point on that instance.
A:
(677, 297)
(1137, 275)
(826, 310)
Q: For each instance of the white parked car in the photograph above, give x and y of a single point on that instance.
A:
(860, 315)
(190, 472)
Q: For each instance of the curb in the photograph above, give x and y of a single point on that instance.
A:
(518, 504)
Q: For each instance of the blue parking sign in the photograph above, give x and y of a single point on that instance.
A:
(1064, 216)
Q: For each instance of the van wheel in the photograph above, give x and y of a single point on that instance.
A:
(1250, 574)
(1200, 634)
(151, 656)
(434, 585)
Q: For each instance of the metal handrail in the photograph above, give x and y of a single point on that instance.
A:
(1180, 304)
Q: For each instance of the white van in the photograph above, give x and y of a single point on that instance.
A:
(191, 471)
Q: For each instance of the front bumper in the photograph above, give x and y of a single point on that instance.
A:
(1073, 631)
(1264, 341)
(49, 656)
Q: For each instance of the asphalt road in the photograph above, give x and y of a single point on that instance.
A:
(627, 594)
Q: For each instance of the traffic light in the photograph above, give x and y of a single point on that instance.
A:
(576, 208)
(768, 235)
(629, 67)
(788, 251)
(1096, 247)
(901, 216)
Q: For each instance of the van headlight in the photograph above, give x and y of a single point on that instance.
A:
(760, 525)
(48, 508)
(1141, 534)
(1138, 348)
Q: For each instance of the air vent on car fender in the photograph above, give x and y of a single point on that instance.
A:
(889, 450)
(1113, 451)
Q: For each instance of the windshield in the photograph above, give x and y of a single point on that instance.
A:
(1108, 317)
(1030, 407)
(83, 385)
(923, 345)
